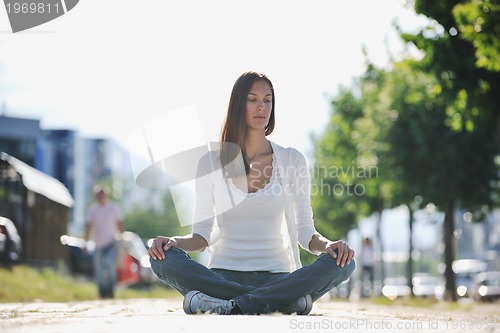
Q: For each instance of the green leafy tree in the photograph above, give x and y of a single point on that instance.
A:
(439, 145)
(359, 131)
(389, 95)
(471, 91)
(155, 217)
(334, 156)
(453, 135)
(479, 23)
(451, 169)
(352, 169)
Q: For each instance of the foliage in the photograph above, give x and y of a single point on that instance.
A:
(434, 160)
(353, 158)
(156, 217)
(450, 56)
(335, 155)
(446, 142)
(429, 125)
(479, 23)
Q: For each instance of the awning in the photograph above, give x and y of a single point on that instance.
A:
(39, 182)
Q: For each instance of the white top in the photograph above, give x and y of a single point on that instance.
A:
(251, 233)
(104, 219)
(215, 197)
(367, 255)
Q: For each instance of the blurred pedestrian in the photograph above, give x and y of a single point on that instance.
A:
(367, 264)
(104, 226)
(255, 264)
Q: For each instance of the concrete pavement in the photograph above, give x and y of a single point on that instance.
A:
(160, 315)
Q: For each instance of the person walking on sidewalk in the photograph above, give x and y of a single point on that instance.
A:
(367, 267)
(104, 225)
(252, 212)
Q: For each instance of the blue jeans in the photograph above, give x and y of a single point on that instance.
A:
(253, 292)
(105, 270)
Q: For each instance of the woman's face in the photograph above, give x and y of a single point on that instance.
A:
(259, 105)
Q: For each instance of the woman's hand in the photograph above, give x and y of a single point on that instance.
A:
(159, 244)
(344, 253)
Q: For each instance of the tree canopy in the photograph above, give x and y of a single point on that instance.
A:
(430, 126)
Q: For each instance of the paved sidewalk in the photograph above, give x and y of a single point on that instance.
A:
(167, 316)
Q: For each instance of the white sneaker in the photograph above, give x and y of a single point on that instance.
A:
(301, 307)
(197, 302)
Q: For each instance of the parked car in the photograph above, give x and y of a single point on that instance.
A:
(133, 266)
(395, 287)
(10, 242)
(427, 285)
(136, 252)
(486, 286)
(465, 270)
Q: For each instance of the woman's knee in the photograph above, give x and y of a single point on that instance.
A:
(348, 268)
(171, 260)
(336, 269)
(351, 267)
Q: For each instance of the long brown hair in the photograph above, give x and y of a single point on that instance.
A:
(234, 129)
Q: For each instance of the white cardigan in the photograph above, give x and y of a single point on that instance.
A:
(213, 197)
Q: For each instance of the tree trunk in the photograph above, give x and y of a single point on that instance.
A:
(380, 243)
(409, 267)
(449, 252)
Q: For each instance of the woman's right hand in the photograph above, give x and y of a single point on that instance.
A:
(159, 244)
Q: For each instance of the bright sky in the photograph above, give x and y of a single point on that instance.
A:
(106, 67)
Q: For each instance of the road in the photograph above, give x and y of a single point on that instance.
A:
(160, 315)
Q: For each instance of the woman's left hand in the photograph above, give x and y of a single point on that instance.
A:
(344, 253)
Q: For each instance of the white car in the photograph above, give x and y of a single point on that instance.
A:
(465, 270)
(427, 285)
(395, 287)
(10, 242)
(486, 286)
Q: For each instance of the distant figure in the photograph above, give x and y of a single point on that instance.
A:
(367, 260)
(104, 224)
